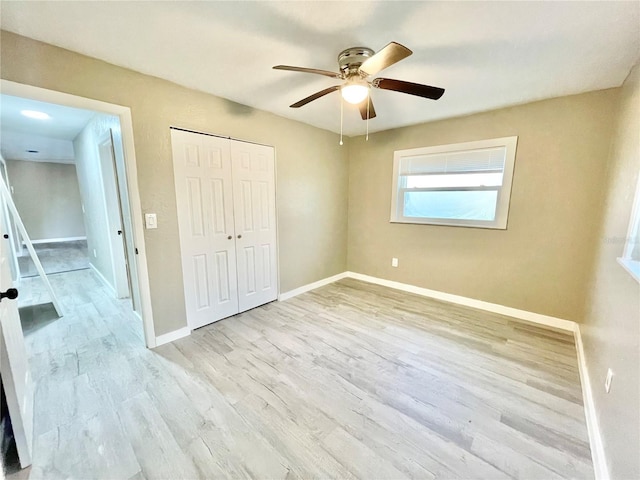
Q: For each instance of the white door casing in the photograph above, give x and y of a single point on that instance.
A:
(130, 180)
(202, 171)
(14, 366)
(255, 223)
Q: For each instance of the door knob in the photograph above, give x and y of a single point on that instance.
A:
(11, 294)
(239, 236)
(229, 237)
(5, 235)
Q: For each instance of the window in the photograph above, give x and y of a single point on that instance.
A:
(466, 184)
(630, 259)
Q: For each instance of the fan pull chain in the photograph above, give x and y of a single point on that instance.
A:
(368, 103)
(341, 117)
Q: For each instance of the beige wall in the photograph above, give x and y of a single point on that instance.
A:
(47, 198)
(312, 173)
(542, 262)
(611, 333)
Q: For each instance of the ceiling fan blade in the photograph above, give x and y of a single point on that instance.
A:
(326, 73)
(390, 54)
(363, 108)
(426, 91)
(315, 96)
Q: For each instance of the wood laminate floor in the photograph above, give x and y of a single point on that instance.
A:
(349, 381)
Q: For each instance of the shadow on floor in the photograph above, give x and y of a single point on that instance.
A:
(34, 317)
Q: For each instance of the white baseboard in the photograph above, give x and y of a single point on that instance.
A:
(546, 320)
(54, 240)
(311, 286)
(595, 438)
(103, 280)
(171, 336)
(525, 315)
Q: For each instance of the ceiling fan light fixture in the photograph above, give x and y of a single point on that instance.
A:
(354, 92)
(357, 65)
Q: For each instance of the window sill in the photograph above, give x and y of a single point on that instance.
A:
(630, 266)
(450, 223)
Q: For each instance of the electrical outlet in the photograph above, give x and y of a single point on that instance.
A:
(95, 254)
(607, 382)
(394, 262)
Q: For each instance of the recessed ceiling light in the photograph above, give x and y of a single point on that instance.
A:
(35, 114)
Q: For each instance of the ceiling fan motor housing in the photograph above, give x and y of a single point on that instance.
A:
(350, 60)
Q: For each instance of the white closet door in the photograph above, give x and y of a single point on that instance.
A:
(255, 222)
(202, 169)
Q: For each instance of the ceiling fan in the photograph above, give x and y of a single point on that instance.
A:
(356, 65)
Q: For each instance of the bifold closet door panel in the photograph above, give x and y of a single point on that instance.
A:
(204, 196)
(255, 223)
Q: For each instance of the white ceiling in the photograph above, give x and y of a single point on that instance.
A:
(485, 54)
(50, 138)
(36, 148)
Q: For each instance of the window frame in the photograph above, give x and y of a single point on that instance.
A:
(504, 191)
(627, 262)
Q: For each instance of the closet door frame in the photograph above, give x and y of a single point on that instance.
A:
(191, 322)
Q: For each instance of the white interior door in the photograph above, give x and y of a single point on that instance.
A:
(114, 217)
(14, 366)
(202, 170)
(255, 223)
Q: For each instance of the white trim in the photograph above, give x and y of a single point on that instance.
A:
(546, 320)
(104, 281)
(595, 437)
(126, 125)
(633, 223)
(311, 286)
(504, 190)
(56, 240)
(538, 318)
(172, 336)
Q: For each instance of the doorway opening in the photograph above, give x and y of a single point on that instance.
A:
(64, 170)
(69, 184)
(74, 180)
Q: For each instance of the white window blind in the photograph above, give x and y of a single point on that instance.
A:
(483, 160)
(467, 184)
